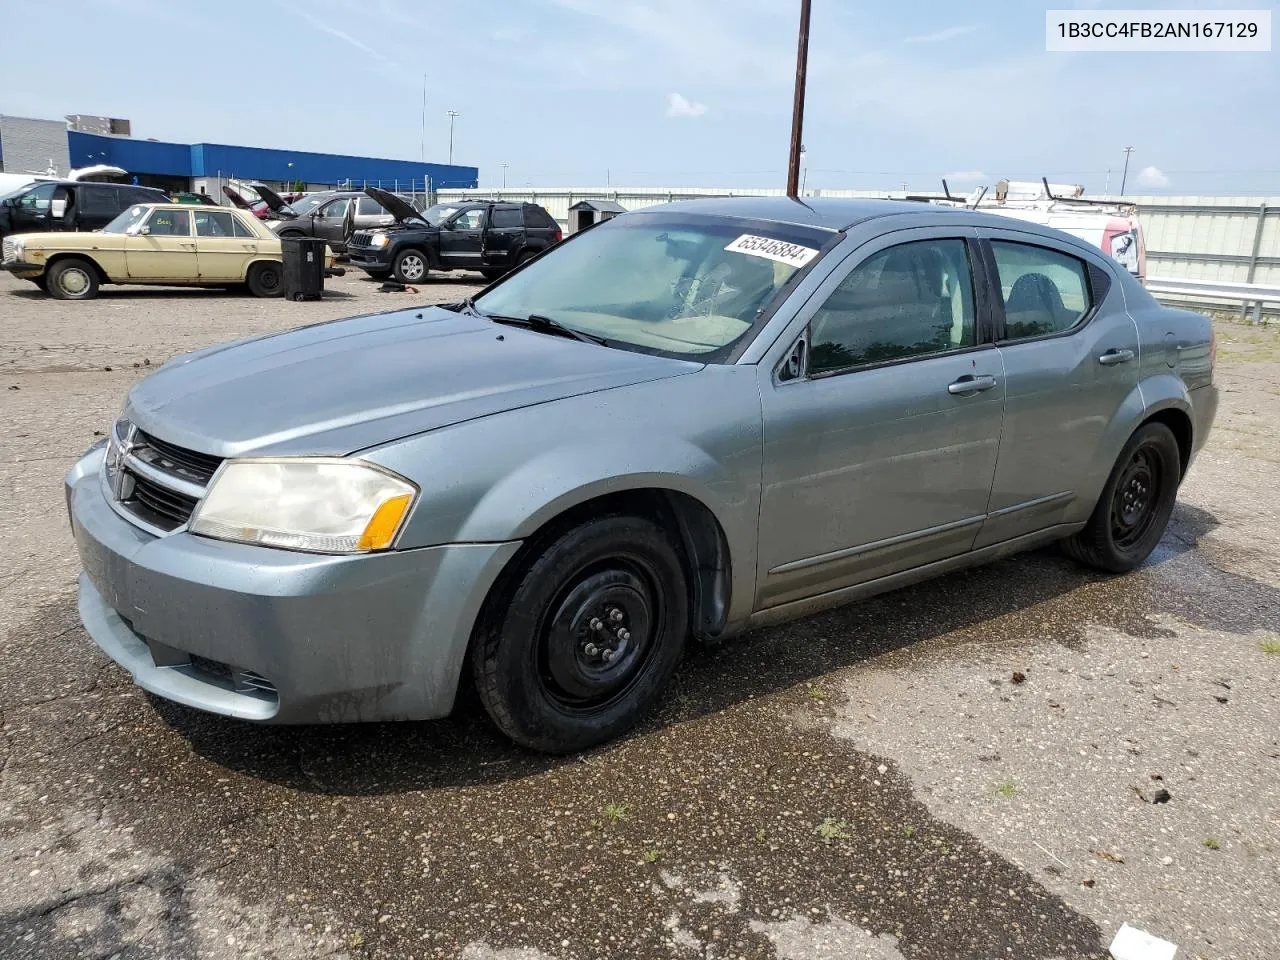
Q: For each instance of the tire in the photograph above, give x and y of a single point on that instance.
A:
(42, 282)
(291, 234)
(410, 266)
(540, 654)
(1135, 505)
(493, 274)
(72, 279)
(378, 274)
(266, 278)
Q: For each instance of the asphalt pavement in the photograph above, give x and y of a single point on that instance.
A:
(1003, 763)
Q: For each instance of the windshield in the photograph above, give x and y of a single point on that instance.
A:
(309, 202)
(688, 286)
(126, 219)
(439, 213)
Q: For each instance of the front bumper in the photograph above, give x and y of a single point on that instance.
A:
(23, 269)
(370, 258)
(274, 636)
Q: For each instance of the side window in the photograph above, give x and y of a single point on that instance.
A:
(369, 207)
(213, 223)
(471, 220)
(238, 229)
(169, 223)
(537, 217)
(910, 300)
(1044, 291)
(506, 217)
(37, 199)
(335, 209)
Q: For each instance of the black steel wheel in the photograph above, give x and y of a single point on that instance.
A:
(578, 643)
(265, 279)
(1135, 505)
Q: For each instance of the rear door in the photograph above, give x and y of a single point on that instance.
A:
(1070, 356)
(164, 249)
(220, 254)
(461, 239)
(97, 204)
(503, 236)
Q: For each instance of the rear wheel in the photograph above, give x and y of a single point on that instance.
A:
(265, 279)
(410, 266)
(576, 646)
(72, 279)
(1136, 503)
(379, 274)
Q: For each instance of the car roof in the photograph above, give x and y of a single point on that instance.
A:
(826, 213)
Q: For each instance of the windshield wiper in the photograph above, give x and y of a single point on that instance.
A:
(541, 324)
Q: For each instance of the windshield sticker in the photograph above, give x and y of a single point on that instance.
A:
(770, 249)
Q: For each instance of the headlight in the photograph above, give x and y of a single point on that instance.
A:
(317, 505)
(379, 240)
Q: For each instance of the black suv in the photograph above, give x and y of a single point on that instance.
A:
(485, 235)
(69, 205)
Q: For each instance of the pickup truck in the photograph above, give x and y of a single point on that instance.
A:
(485, 235)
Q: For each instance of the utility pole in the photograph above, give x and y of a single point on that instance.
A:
(797, 107)
(504, 174)
(422, 145)
(1125, 177)
(452, 115)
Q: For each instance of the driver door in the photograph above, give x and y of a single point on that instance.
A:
(163, 248)
(460, 241)
(330, 221)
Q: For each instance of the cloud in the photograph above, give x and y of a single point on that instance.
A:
(964, 176)
(679, 106)
(946, 33)
(1152, 177)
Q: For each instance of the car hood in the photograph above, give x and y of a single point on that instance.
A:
(337, 387)
(398, 207)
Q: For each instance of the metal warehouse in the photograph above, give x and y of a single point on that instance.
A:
(49, 147)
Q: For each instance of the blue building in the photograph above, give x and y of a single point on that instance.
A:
(203, 167)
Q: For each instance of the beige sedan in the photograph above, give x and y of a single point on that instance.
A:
(167, 244)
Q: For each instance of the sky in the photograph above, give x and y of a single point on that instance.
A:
(662, 92)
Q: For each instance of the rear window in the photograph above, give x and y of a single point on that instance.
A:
(369, 207)
(537, 217)
(505, 217)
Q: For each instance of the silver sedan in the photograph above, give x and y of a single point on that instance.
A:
(684, 422)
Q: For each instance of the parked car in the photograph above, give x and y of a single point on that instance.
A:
(482, 235)
(681, 423)
(69, 205)
(334, 215)
(170, 244)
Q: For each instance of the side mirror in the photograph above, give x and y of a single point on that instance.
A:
(448, 225)
(132, 230)
(58, 208)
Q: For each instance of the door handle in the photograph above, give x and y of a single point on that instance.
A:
(1112, 357)
(971, 384)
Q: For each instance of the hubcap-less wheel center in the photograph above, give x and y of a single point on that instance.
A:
(1133, 504)
(599, 635)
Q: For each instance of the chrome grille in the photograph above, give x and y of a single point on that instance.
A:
(153, 483)
(8, 250)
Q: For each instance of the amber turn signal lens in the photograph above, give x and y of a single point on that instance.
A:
(381, 531)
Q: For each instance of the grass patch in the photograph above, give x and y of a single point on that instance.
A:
(614, 812)
(1212, 843)
(652, 856)
(1270, 645)
(1006, 789)
(816, 693)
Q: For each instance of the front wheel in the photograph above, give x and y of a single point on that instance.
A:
(72, 279)
(577, 645)
(1136, 503)
(378, 274)
(264, 279)
(410, 266)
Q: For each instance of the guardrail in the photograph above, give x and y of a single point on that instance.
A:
(1218, 290)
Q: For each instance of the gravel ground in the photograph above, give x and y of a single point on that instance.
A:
(970, 768)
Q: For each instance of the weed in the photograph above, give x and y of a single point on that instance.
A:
(816, 693)
(651, 856)
(831, 829)
(614, 812)
(1270, 646)
(908, 830)
(1212, 843)
(1006, 788)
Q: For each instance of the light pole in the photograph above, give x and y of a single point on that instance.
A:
(452, 115)
(797, 107)
(1125, 176)
(504, 174)
(422, 142)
